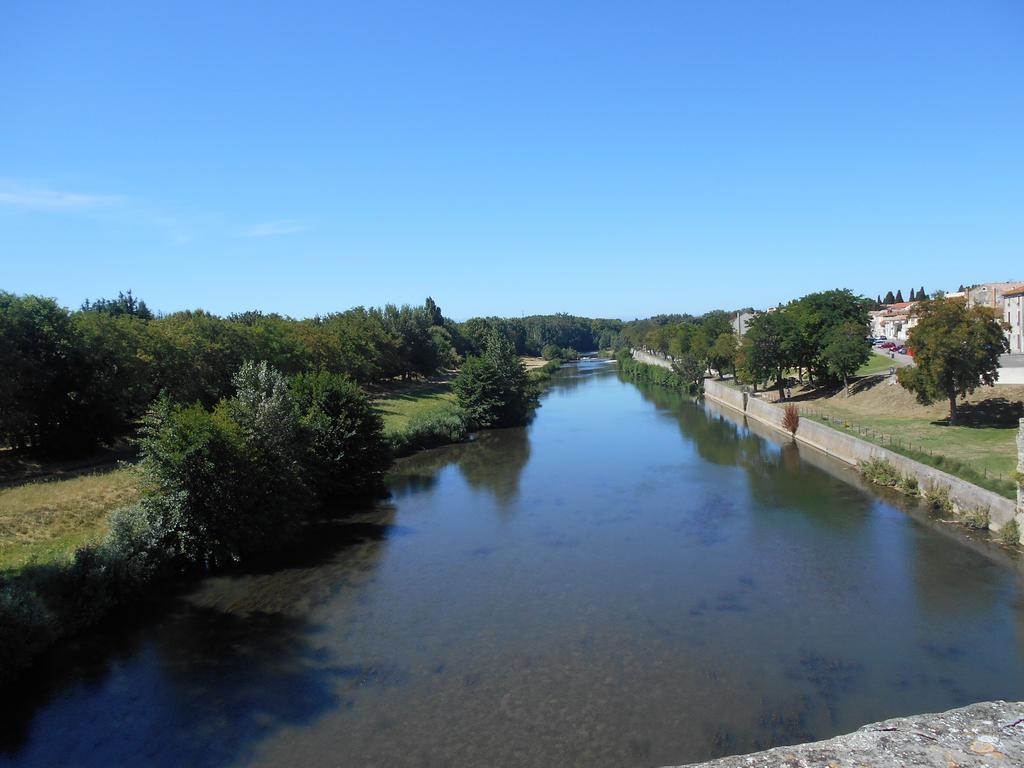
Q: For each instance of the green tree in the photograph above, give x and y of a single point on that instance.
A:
(691, 370)
(124, 304)
(433, 312)
(43, 376)
(814, 317)
(723, 353)
(766, 353)
(494, 388)
(345, 451)
(956, 350)
(846, 350)
(889, 298)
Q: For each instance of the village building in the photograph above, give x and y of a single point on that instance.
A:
(893, 321)
(1013, 314)
(740, 322)
(989, 294)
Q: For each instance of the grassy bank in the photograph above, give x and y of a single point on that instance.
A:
(400, 405)
(46, 521)
(982, 449)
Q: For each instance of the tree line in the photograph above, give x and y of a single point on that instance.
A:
(822, 335)
(73, 379)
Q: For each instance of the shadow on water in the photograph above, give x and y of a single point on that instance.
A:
(201, 692)
(676, 584)
(201, 676)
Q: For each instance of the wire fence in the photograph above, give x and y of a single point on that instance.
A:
(898, 444)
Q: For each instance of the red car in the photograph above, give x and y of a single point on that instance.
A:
(888, 345)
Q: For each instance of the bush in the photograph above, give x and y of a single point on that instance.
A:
(1010, 533)
(880, 472)
(938, 499)
(220, 484)
(651, 374)
(977, 518)
(908, 484)
(493, 389)
(440, 426)
(26, 625)
(345, 451)
(791, 418)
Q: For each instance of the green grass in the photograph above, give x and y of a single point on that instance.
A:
(983, 456)
(877, 364)
(398, 407)
(46, 521)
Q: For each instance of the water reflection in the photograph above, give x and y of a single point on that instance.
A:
(492, 462)
(617, 584)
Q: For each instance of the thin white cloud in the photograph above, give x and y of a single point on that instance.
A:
(275, 228)
(15, 194)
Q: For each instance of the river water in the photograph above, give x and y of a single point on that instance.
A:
(632, 580)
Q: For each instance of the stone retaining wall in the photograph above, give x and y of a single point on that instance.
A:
(650, 358)
(853, 450)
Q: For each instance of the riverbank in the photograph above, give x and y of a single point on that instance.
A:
(72, 551)
(965, 497)
(980, 449)
(984, 734)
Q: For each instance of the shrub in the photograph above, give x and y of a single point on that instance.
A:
(791, 418)
(493, 389)
(25, 625)
(977, 518)
(908, 484)
(652, 374)
(227, 482)
(880, 472)
(1010, 533)
(938, 498)
(345, 450)
(440, 426)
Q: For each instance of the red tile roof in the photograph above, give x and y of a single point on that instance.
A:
(1017, 290)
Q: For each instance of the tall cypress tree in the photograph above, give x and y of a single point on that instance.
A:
(889, 298)
(899, 296)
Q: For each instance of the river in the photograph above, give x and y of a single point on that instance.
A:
(632, 580)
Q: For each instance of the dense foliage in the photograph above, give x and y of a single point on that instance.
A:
(651, 374)
(822, 334)
(956, 350)
(73, 379)
(493, 388)
(221, 484)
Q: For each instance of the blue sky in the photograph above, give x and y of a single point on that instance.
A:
(605, 159)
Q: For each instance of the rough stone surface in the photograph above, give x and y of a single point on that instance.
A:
(987, 734)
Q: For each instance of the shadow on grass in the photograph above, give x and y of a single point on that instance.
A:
(994, 413)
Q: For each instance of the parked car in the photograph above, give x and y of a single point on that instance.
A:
(889, 345)
(901, 350)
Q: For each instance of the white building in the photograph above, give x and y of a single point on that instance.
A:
(894, 321)
(1013, 314)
